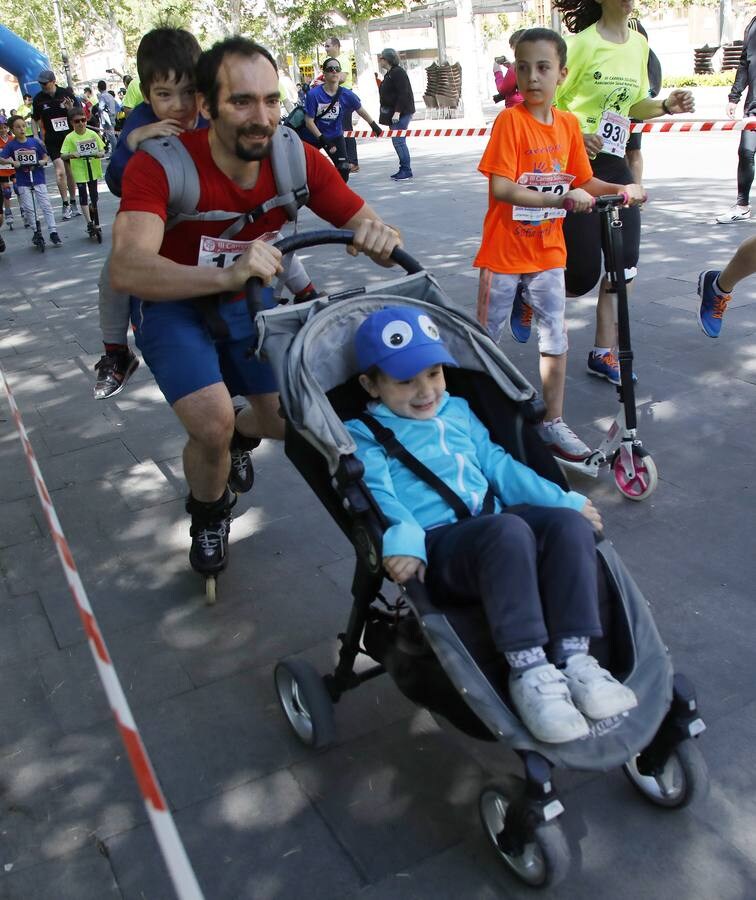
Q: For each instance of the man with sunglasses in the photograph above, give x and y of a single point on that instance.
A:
(325, 107)
(50, 110)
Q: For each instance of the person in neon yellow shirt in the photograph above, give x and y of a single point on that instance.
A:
(133, 96)
(84, 148)
(606, 85)
(25, 111)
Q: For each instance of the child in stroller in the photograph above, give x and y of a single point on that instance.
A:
(528, 545)
(442, 656)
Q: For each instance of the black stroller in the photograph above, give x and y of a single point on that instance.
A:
(443, 658)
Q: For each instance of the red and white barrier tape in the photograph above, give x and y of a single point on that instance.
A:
(636, 127)
(174, 854)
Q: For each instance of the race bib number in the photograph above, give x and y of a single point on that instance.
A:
(26, 157)
(220, 252)
(60, 123)
(87, 148)
(556, 183)
(331, 115)
(614, 130)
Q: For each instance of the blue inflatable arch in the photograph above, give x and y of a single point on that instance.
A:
(22, 60)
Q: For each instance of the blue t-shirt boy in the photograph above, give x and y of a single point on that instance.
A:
(24, 176)
(318, 100)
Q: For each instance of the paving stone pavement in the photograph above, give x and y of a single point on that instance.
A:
(390, 811)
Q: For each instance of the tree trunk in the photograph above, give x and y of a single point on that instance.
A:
(366, 86)
(468, 51)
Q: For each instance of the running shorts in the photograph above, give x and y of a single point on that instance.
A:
(53, 149)
(582, 233)
(183, 356)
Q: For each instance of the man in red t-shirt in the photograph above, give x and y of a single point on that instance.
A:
(237, 83)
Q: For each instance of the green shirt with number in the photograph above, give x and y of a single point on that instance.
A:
(79, 166)
(603, 76)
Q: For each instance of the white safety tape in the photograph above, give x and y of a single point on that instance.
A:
(681, 125)
(174, 854)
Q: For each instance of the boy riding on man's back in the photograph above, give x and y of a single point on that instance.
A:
(166, 58)
(526, 551)
(535, 161)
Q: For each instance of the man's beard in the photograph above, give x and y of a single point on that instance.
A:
(256, 151)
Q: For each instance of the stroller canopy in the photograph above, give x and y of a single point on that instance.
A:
(310, 347)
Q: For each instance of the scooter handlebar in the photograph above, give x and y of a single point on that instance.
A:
(604, 201)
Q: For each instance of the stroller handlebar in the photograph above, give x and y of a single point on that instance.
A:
(314, 239)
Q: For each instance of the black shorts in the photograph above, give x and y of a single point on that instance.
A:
(53, 149)
(634, 141)
(582, 232)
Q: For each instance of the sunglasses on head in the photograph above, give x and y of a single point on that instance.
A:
(332, 69)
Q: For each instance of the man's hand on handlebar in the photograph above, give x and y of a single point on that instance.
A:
(577, 200)
(260, 260)
(376, 240)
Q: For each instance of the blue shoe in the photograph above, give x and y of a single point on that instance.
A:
(402, 176)
(713, 305)
(606, 366)
(520, 318)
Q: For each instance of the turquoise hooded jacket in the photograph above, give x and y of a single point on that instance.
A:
(456, 446)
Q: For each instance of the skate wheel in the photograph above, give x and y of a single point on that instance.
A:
(211, 586)
(643, 483)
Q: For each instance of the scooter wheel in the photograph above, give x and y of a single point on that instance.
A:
(99, 236)
(643, 483)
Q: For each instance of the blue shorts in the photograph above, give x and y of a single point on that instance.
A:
(184, 357)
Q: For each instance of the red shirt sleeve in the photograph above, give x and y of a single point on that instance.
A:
(144, 187)
(330, 198)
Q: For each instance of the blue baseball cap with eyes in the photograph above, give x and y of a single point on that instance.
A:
(401, 341)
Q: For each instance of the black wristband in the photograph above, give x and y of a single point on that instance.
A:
(665, 108)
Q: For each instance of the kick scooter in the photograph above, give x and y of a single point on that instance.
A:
(28, 160)
(634, 471)
(93, 225)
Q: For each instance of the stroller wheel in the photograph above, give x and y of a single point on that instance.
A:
(306, 702)
(540, 857)
(646, 477)
(684, 778)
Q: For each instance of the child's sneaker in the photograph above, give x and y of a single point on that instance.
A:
(605, 365)
(542, 699)
(562, 440)
(520, 318)
(55, 238)
(596, 693)
(713, 303)
(734, 214)
(113, 371)
(67, 212)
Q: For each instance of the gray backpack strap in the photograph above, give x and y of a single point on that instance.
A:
(287, 157)
(180, 172)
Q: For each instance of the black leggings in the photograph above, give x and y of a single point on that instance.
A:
(582, 232)
(82, 186)
(339, 155)
(745, 166)
(533, 568)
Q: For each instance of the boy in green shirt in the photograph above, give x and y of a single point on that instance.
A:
(84, 148)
